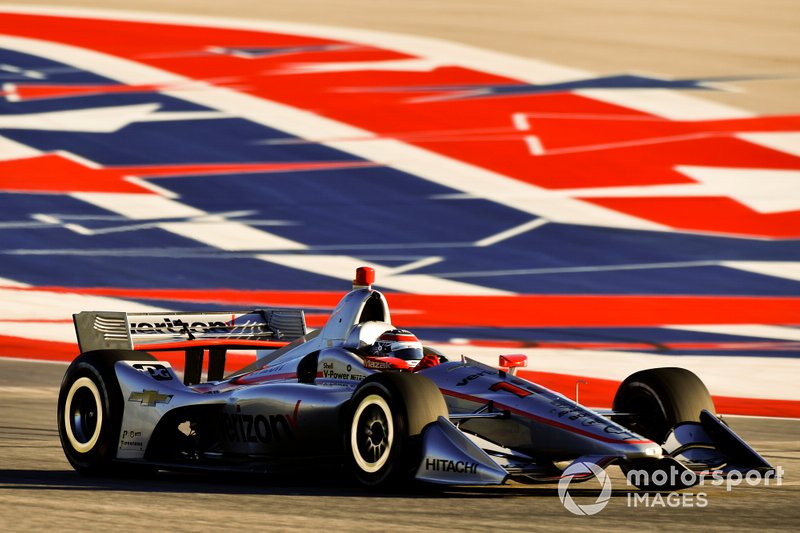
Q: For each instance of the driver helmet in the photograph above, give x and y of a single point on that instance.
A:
(398, 343)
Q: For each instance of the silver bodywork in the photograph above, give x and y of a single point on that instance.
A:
(290, 403)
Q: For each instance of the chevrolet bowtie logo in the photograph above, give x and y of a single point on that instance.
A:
(149, 397)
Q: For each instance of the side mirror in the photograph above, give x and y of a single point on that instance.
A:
(512, 362)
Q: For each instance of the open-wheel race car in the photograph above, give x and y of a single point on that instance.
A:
(365, 395)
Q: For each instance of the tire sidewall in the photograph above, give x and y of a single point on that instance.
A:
(101, 452)
(98, 368)
(415, 402)
(394, 462)
(675, 395)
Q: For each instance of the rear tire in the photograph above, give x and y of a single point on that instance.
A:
(388, 413)
(90, 408)
(659, 399)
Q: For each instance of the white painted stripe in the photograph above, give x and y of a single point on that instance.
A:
(271, 114)
(170, 116)
(521, 121)
(343, 267)
(42, 331)
(763, 190)
(500, 272)
(668, 104)
(46, 219)
(93, 120)
(778, 269)
(13, 150)
(746, 330)
(231, 236)
(82, 230)
(511, 232)
(6, 282)
(535, 145)
(399, 65)
(207, 229)
(150, 186)
(426, 261)
(788, 142)
(626, 144)
(139, 206)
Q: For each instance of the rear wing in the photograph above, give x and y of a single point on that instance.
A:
(194, 332)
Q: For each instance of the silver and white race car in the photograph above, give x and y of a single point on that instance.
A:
(327, 396)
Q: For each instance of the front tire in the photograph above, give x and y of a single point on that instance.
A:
(389, 412)
(658, 399)
(90, 408)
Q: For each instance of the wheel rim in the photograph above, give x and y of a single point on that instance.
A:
(372, 433)
(83, 415)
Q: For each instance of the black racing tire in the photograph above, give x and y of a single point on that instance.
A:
(90, 406)
(383, 437)
(658, 399)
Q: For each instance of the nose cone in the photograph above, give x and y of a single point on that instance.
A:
(643, 449)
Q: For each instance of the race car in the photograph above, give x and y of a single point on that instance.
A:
(362, 394)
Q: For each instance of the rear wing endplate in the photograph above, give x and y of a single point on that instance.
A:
(194, 332)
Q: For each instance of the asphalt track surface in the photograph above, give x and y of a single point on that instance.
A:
(39, 490)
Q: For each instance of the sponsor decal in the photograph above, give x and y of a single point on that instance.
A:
(177, 326)
(563, 408)
(195, 326)
(472, 377)
(149, 398)
(329, 371)
(239, 427)
(372, 363)
(384, 363)
(448, 465)
(156, 371)
(129, 439)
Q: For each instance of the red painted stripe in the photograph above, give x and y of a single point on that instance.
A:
(37, 350)
(526, 310)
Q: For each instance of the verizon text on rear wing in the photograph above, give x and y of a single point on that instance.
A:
(192, 332)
